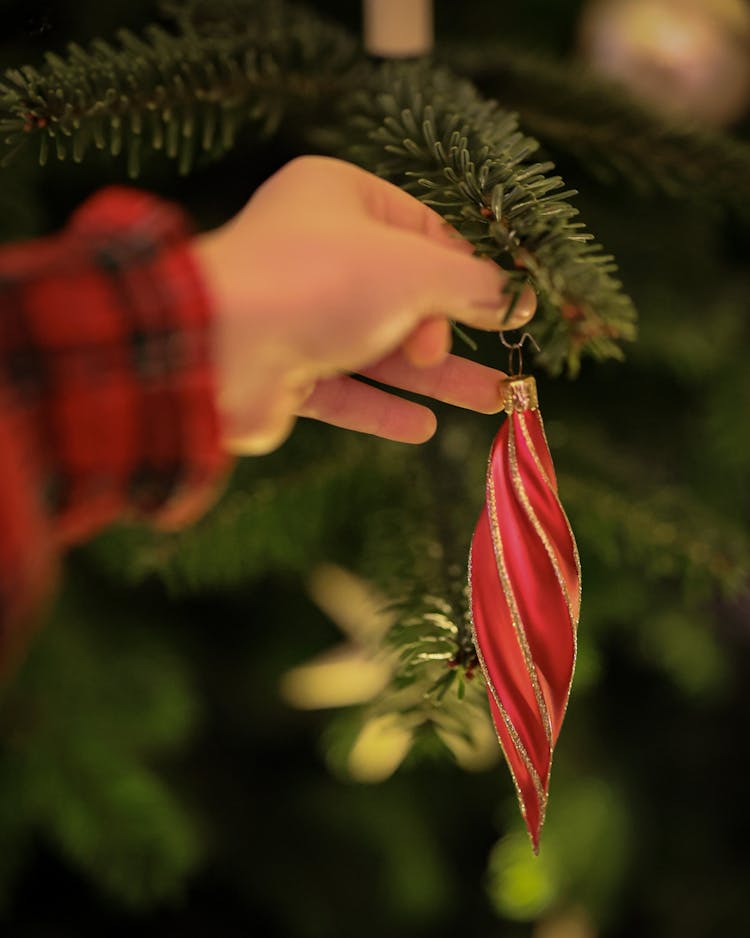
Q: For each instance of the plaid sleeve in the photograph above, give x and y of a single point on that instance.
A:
(26, 552)
(105, 357)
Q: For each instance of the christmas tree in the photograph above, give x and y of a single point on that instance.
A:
(271, 720)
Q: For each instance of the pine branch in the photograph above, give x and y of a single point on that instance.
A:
(666, 534)
(417, 555)
(234, 61)
(281, 513)
(428, 697)
(428, 631)
(271, 521)
(231, 63)
(433, 134)
(614, 135)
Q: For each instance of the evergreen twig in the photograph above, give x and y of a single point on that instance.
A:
(610, 132)
(177, 93)
(666, 533)
(435, 136)
(240, 60)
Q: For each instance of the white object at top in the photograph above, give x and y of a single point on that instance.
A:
(398, 28)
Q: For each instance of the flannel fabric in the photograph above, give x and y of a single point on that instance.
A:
(106, 388)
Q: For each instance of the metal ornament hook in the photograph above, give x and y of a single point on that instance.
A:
(517, 348)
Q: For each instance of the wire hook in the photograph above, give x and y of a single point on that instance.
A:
(517, 348)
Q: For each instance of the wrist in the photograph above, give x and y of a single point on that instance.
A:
(260, 380)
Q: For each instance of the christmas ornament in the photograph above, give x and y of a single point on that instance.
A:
(688, 57)
(525, 576)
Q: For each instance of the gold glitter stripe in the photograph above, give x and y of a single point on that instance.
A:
(553, 490)
(518, 627)
(531, 514)
(512, 732)
(572, 537)
(535, 455)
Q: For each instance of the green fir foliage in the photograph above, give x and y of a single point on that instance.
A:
(434, 135)
(424, 128)
(103, 765)
(181, 93)
(616, 136)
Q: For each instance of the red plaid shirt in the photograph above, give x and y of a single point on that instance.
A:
(106, 389)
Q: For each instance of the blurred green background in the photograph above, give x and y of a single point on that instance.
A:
(154, 779)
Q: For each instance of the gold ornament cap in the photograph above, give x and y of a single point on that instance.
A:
(519, 394)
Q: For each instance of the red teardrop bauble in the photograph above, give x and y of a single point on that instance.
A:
(525, 580)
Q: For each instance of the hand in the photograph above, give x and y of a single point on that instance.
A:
(330, 271)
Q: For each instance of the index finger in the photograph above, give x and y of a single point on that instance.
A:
(458, 381)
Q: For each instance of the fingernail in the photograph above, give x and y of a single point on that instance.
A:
(522, 313)
(520, 310)
(516, 310)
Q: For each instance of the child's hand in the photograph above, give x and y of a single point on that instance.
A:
(330, 271)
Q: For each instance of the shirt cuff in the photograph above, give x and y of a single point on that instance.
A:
(108, 337)
(27, 564)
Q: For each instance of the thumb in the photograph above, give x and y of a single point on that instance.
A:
(432, 279)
